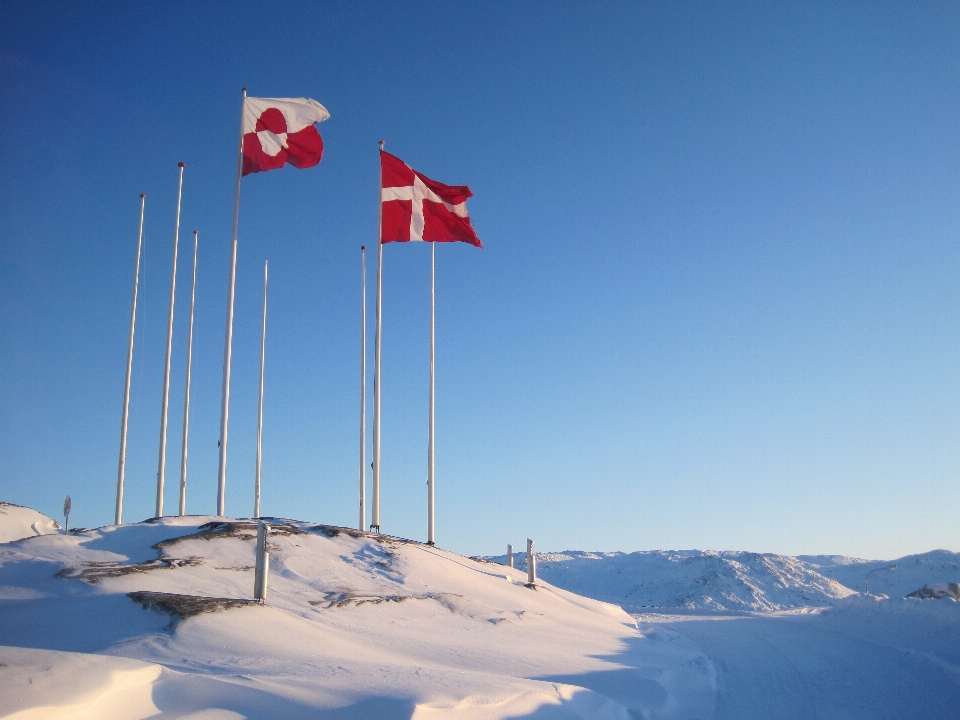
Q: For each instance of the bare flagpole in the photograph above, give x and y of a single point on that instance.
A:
(363, 387)
(118, 517)
(375, 521)
(430, 444)
(186, 393)
(166, 368)
(228, 340)
(263, 345)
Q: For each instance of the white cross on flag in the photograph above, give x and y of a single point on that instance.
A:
(277, 131)
(414, 207)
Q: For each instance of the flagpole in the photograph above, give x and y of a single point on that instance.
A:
(430, 444)
(186, 392)
(118, 517)
(166, 368)
(263, 345)
(375, 520)
(228, 340)
(363, 387)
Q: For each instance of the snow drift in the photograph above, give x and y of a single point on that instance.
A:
(18, 522)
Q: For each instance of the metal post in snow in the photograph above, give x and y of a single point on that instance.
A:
(228, 340)
(363, 387)
(186, 392)
(509, 555)
(375, 520)
(118, 516)
(262, 568)
(430, 443)
(162, 464)
(263, 345)
(531, 564)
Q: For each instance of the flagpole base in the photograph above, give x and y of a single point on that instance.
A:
(375, 529)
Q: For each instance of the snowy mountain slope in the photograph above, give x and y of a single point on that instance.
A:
(17, 522)
(690, 579)
(912, 573)
(356, 625)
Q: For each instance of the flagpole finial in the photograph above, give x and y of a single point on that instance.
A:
(180, 165)
(143, 196)
(196, 232)
(363, 247)
(244, 90)
(381, 143)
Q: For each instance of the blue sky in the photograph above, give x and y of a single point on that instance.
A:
(718, 304)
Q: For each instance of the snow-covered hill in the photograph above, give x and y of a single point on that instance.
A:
(689, 580)
(694, 580)
(912, 572)
(17, 522)
(155, 620)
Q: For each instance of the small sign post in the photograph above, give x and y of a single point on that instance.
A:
(67, 504)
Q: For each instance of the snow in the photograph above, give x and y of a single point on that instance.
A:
(357, 625)
(155, 620)
(18, 522)
(690, 580)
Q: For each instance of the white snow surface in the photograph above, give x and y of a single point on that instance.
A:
(355, 626)
(690, 580)
(18, 522)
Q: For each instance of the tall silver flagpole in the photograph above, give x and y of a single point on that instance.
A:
(375, 521)
(263, 345)
(118, 517)
(363, 387)
(186, 392)
(430, 446)
(228, 340)
(166, 368)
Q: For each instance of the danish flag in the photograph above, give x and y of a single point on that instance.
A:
(414, 207)
(277, 131)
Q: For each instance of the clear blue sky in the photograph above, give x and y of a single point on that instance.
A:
(718, 304)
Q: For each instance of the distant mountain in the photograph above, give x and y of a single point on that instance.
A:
(690, 579)
(912, 573)
(734, 581)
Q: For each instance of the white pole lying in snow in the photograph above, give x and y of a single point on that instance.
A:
(430, 444)
(363, 387)
(118, 517)
(186, 392)
(262, 571)
(531, 564)
(509, 555)
(228, 340)
(263, 345)
(375, 520)
(166, 368)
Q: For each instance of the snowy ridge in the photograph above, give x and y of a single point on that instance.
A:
(18, 522)
(690, 580)
(697, 580)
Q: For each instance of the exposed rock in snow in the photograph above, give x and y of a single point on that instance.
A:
(938, 591)
(18, 522)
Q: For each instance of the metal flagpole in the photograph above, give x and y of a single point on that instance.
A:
(375, 521)
(263, 345)
(228, 340)
(430, 445)
(118, 517)
(166, 368)
(363, 387)
(186, 394)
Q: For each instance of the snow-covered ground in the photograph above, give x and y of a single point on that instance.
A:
(154, 620)
(356, 626)
(18, 522)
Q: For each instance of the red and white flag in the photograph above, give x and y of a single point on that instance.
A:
(277, 131)
(414, 207)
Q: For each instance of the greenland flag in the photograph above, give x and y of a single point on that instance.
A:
(277, 131)
(414, 207)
